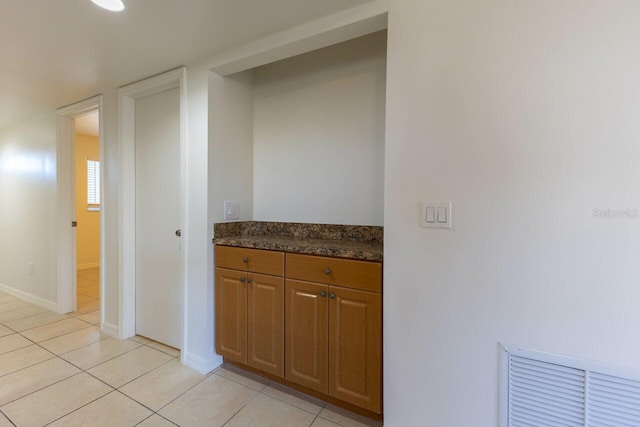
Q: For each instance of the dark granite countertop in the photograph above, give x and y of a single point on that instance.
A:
(343, 241)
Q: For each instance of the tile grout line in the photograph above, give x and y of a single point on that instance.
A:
(40, 389)
(80, 407)
(73, 332)
(20, 318)
(240, 410)
(291, 404)
(183, 393)
(63, 334)
(155, 413)
(27, 367)
(261, 391)
(104, 361)
(145, 373)
(6, 324)
(7, 418)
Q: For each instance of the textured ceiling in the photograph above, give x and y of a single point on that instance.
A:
(56, 52)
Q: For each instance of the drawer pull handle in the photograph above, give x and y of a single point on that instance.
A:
(249, 280)
(332, 295)
(323, 293)
(327, 271)
(245, 260)
(242, 280)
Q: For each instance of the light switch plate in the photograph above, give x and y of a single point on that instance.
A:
(436, 215)
(231, 210)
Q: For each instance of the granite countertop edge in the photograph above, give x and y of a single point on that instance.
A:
(364, 251)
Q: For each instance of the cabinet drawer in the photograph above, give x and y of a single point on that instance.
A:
(253, 260)
(349, 273)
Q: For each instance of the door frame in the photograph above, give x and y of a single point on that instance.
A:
(66, 179)
(127, 96)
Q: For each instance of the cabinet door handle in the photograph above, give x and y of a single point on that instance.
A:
(242, 280)
(323, 293)
(249, 280)
(332, 295)
(245, 260)
(327, 271)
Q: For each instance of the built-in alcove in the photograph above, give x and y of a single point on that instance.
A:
(302, 139)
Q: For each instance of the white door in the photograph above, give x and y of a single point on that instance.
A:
(158, 266)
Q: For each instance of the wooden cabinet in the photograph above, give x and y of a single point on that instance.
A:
(334, 333)
(265, 323)
(251, 260)
(250, 308)
(316, 323)
(349, 273)
(355, 347)
(231, 314)
(307, 334)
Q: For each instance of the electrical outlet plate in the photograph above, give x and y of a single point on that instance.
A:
(231, 210)
(436, 214)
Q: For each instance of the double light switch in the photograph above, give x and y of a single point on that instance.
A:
(436, 215)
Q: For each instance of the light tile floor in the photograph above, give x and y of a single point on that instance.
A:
(60, 370)
(88, 291)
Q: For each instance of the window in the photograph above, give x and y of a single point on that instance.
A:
(93, 185)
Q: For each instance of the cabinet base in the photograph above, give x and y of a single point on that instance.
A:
(322, 396)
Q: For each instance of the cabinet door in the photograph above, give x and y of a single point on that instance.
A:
(306, 334)
(231, 314)
(266, 323)
(355, 347)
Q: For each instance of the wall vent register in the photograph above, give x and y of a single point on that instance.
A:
(543, 389)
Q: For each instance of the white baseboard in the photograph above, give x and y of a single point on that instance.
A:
(32, 299)
(200, 364)
(88, 265)
(111, 330)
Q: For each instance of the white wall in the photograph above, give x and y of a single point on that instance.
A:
(110, 209)
(231, 143)
(318, 135)
(230, 167)
(525, 115)
(198, 350)
(28, 208)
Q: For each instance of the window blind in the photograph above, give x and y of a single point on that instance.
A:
(93, 182)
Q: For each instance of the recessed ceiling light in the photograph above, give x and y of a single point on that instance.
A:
(112, 5)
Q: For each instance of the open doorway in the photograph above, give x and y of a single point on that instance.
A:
(87, 117)
(88, 211)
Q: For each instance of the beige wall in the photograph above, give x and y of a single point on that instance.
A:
(27, 208)
(318, 135)
(525, 115)
(88, 233)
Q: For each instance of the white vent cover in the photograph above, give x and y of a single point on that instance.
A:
(542, 389)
